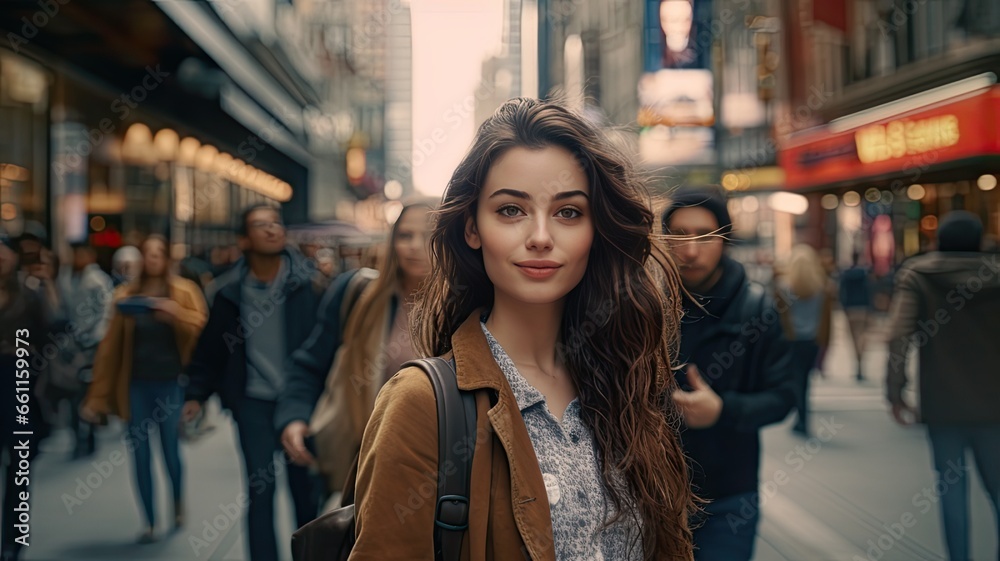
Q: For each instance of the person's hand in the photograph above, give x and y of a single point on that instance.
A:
(904, 413)
(700, 407)
(89, 415)
(293, 439)
(165, 310)
(191, 410)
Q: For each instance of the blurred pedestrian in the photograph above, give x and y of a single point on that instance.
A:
(264, 308)
(947, 304)
(85, 293)
(856, 300)
(542, 228)
(126, 265)
(731, 333)
(802, 288)
(369, 348)
(826, 324)
(24, 320)
(154, 326)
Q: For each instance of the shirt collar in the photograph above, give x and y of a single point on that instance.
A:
(524, 393)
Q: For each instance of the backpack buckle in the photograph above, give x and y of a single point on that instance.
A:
(452, 512)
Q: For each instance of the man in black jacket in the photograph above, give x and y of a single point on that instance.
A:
(261, 311)
(737, 378)
(947, 305)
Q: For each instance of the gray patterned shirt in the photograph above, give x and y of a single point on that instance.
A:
(567, 456)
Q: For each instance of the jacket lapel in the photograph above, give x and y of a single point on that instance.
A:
(476, 369)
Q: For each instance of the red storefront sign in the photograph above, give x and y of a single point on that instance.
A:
(901, 145)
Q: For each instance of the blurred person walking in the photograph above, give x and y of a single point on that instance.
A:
(85, 293)
(264, 308)
(155, 323)
(856, 300)
(337, 373)
(732, 334)
(947, 304)
(802, 288)
(24, 317)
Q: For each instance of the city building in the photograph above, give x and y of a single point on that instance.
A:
(901, 99)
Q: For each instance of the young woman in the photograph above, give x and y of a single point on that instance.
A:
(803, 285)
(138, 364)
(363, 353)
(547, 289)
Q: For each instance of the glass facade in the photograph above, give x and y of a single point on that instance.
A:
(24, 102)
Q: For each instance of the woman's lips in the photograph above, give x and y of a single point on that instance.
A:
(537, 269)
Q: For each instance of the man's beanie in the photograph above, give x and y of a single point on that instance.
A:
(709, 199)
(960, 230)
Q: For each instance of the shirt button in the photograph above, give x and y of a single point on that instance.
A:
(575, 437)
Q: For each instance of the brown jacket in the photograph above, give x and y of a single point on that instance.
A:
(397, 478)
(108, 393)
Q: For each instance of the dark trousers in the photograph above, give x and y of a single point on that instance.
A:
(803, 360)
(728, 530)
(260, 441)
(155, 404)
(949, 444)
(83, 432)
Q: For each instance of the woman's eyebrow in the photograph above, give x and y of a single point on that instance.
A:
(512, 193)
(527, 197)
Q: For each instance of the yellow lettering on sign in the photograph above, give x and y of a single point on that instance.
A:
(896, 139)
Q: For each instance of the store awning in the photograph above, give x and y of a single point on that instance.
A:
(943, 129)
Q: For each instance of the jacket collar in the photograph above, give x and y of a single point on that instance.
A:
(477, 369)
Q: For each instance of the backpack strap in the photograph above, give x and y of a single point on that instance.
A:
(456, 442)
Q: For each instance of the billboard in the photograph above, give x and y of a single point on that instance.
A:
(676, 98)
(678, 34)
(676, 91)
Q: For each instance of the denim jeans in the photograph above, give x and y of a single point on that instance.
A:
(260, 441)
(729, 529)
(803, 359)
(155, 404)
(949, 443)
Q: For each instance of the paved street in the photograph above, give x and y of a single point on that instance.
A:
(108, 521)
(841, 496)
(824, 500)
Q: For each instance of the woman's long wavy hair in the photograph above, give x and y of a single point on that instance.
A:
(620, 326)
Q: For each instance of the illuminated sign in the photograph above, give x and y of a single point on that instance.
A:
(896, 139)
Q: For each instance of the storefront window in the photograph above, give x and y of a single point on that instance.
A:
(24, 101)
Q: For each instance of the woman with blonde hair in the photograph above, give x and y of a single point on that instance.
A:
(155, 323)
(802, 286)
(360, 340)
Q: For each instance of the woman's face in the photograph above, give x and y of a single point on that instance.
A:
(411, 241)
(534, 224)
(154, 258)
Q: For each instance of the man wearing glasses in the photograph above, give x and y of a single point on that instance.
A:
(262, 309)
(736, 378)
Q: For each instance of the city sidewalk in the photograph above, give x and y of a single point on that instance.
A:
(86, 510)
(854, 491)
